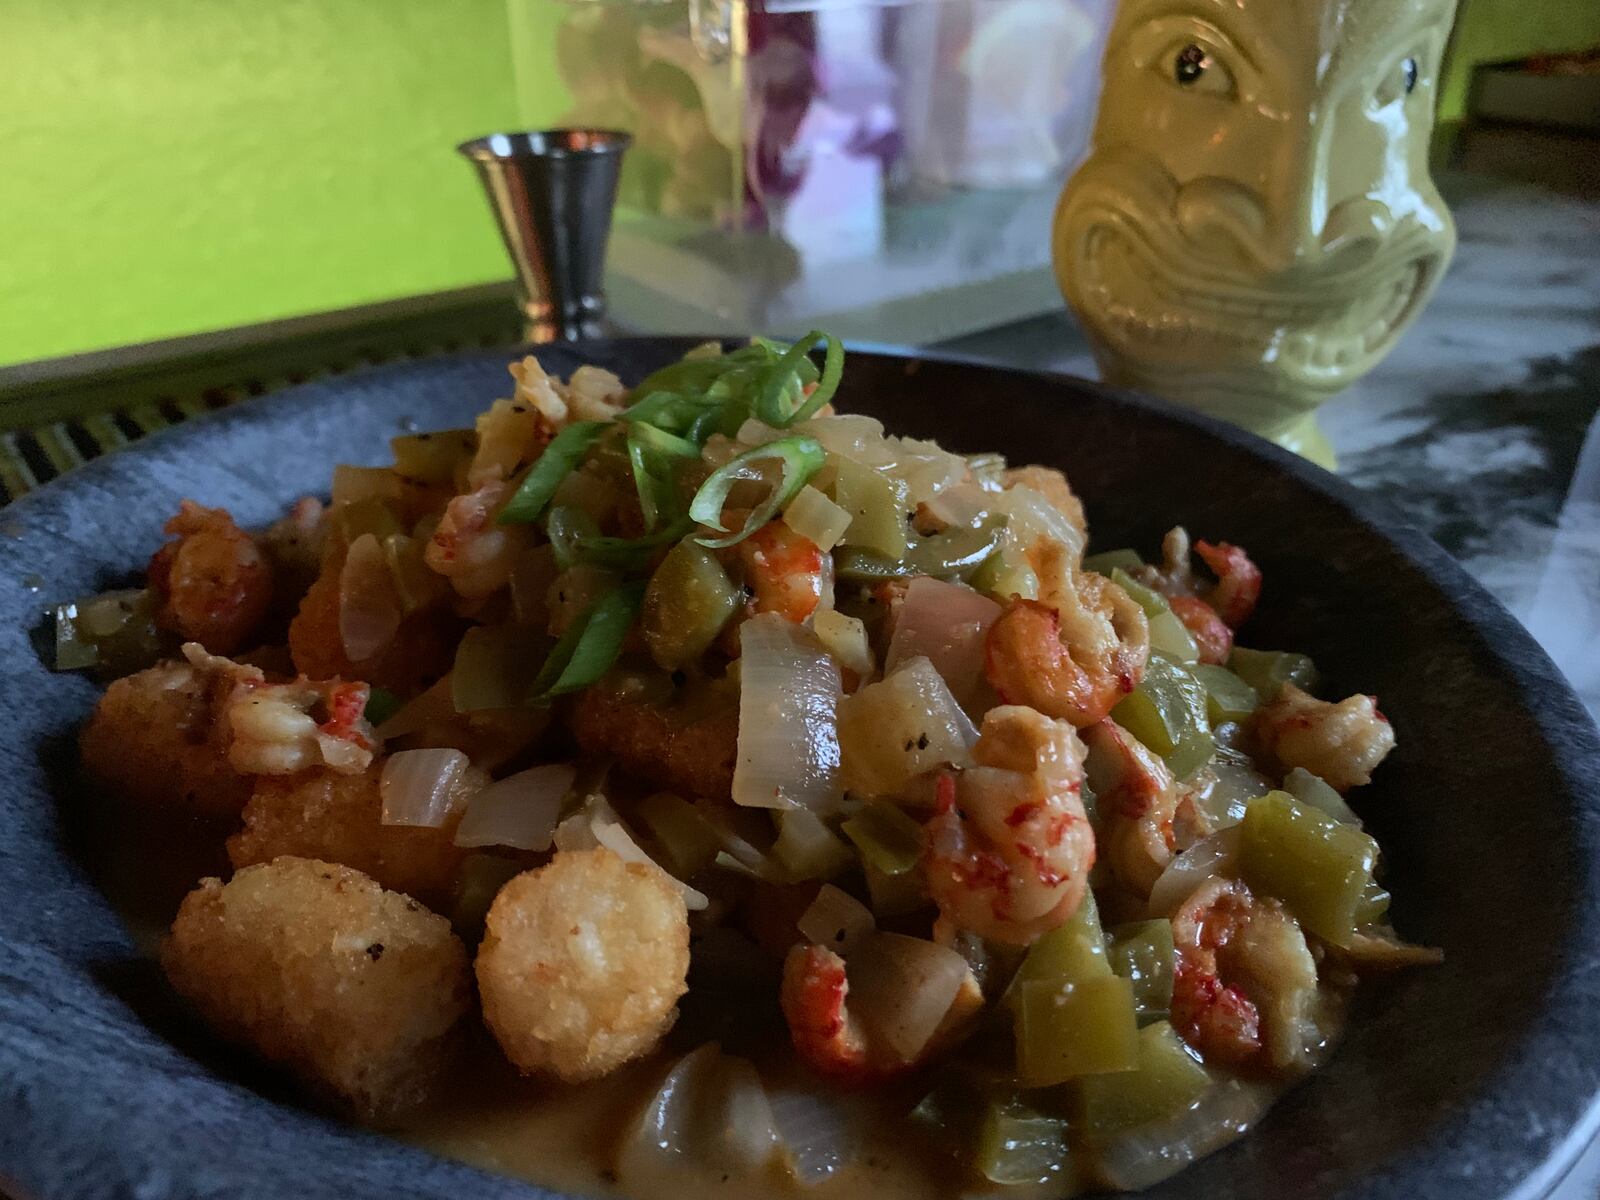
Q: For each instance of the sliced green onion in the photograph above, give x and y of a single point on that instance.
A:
(888, 839)
(655, 456)
(565, 451)
(800, 458)
(790, 375)
(587, 650)
(381, 705)
(629, 554)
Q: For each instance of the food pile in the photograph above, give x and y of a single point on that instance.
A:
(702, 700)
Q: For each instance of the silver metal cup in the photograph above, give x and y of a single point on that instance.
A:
(553, 192)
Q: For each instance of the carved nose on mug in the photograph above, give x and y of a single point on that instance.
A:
(1223, 220)
(1356, 230)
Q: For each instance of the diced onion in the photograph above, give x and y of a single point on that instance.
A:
(963, 505)
(819, 1132)
(836, 919)
(710, 1113)
(846, 639)
(946, 623)
(418, 786)
(1146, 1156)
(758, 433)
(901, 989)
(1318, 793)
(519, 811)
(369, 609)
(814, 517)
(1216, 855)
(597, 824)
(788, 750)
(900, 727)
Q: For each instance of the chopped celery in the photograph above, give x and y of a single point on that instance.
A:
(691, 844)
(494, 666)
(877, 506)
(688, 601)
(1167, 712)
(1168, 1079)
(814, 517)
(806, 848)
(1268, 670)
(75, 650)
(1171, 637)
(433, 457)
(1317, 866)
(1070, 953)
(1153, 602)
(416, 584)
(1143, 954)
(1067, 1030)
(1020, 1145)
(888, 839)
(1317, 792)
(368, 515)
(895, 895)
(1113, 560)
(1228, 698)
(1004, 575)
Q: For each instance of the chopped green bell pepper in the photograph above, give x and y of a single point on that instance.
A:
(1064, 1030)
(1144, 955)
(1168, 1078)
(888, 839)
(1319, 867)
(686, 605)
(1228, 698)
(1020, 1145)
(1268, 670)
(1113, 560)
(1153, 602)
(1167, 712)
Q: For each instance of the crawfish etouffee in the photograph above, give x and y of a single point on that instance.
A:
(811, 814)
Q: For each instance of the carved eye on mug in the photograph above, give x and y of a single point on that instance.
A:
(1400, 82)
(1195, 69)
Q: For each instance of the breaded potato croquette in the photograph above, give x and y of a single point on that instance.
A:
(339, 818)
(422, 651)
(354, 989)
(696, 758)
(155, 741)
(582, 964)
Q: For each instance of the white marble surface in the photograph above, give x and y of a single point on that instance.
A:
(1480, 428)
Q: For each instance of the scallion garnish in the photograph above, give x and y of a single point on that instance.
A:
(589, 646)
(799, 459)
(565, 452)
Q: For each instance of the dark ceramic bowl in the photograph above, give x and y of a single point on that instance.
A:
(1473, 1080)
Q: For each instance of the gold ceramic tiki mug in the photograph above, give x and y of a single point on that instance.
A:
(1256, 224)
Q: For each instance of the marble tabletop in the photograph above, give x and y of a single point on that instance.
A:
(1481, 428)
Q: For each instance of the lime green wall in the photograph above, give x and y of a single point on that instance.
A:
(170, 166)
(1495, 30)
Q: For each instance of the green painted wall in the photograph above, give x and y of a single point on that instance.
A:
(171, 166)
(1495, 30)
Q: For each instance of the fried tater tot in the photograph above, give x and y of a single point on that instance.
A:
(339, 818)
(421, 652)
(155, 741)
(315, 967)
(582, 964)
(695, 758)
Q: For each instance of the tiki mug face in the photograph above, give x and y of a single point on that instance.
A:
(1256, 224)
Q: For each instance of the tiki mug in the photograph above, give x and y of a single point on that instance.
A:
(1256, 224)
